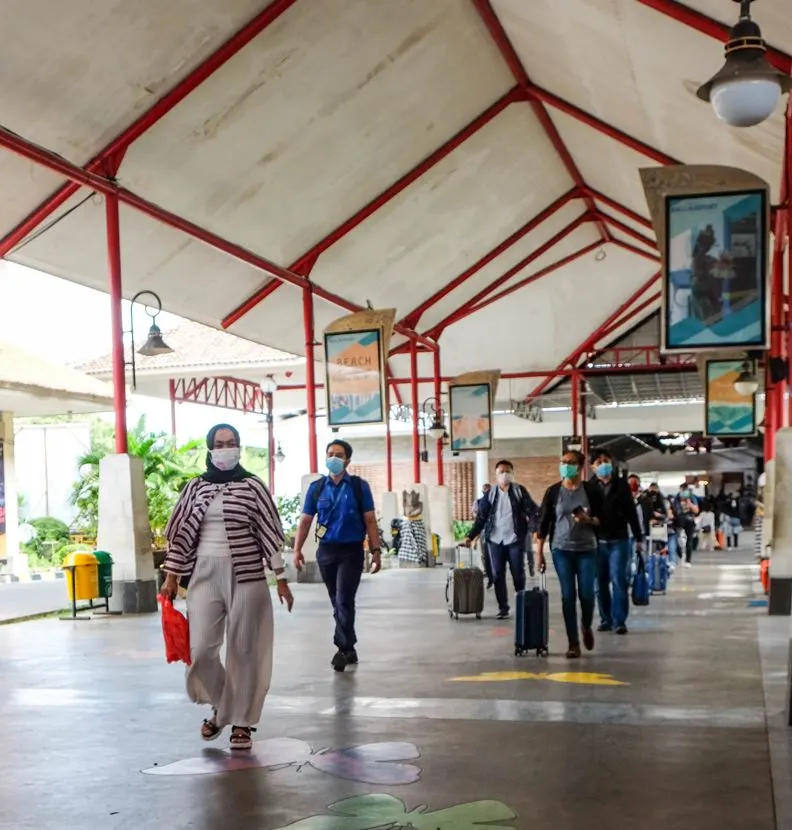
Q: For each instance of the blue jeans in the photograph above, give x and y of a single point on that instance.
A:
(576, 574)
(341, 567)
(500, 555)
(673, 550)
(613, 570)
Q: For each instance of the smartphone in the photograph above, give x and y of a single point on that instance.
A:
(579, 511)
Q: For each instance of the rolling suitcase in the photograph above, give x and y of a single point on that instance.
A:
(465, 589)
(532, 620)
(640, 586)
(657, 571)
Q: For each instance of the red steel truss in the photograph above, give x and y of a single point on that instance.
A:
(223, 392)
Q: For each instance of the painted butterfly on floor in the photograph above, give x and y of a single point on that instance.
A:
(384, 812)
(379, 763)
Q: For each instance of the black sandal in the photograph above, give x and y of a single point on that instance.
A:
(210, 731)
(241, 737)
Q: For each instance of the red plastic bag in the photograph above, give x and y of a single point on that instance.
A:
(176, 631)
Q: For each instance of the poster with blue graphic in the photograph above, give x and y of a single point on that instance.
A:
(716, 272)
(729, 413)
(471, 416)
(355, 377)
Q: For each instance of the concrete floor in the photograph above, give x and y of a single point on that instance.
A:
(664, 729)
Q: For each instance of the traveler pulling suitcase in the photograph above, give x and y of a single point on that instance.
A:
(657, 571)
(532, 620)
(465, 588)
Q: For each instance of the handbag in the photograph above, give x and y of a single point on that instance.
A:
(640, 587)
(176, 632)
(658, 533)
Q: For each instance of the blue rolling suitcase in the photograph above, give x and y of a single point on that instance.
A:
(657, 571)
(640, 586)
(532, 620)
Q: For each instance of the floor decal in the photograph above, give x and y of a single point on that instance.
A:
(384, 812)
(581, 678)
(379, 763)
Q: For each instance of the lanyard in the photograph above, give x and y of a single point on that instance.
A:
(334, 500)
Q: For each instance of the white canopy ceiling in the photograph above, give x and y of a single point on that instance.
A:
(388, 149)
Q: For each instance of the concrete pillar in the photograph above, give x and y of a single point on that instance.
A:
(769, 507)
(310, 571)
(780, 482)
(125, 534)
(442, 510)
(390, 510)
(9, 541)
(482, 470)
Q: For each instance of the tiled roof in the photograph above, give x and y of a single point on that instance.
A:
(195, 345)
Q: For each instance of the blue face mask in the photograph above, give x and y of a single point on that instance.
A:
(605, 469)
(568, 470)
(335, 466)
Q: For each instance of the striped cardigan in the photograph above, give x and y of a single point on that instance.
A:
(254, 530)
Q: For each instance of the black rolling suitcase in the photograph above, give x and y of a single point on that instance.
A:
(465, 589)
(532, 620)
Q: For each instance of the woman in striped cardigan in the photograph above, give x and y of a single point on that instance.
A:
(224, 533)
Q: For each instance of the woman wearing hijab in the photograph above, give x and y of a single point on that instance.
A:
(224, 533)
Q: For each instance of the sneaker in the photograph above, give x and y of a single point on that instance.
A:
(588, 639)
(339, 661)
(688, 564)
(351, 657)
(622, 629)
(503, 615)
(604, 627)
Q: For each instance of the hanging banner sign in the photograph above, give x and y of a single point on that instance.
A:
(712, 227)
(728, 414)
(355, 353)
(471, 399)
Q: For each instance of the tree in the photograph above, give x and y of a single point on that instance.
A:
(167, 468)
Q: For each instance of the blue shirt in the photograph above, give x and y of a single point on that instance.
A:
(337, 509)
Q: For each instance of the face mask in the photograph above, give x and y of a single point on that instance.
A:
(335, 465)
(505, 478)
(227, 458)
(605, 469)
(568, 470)
(685, 494)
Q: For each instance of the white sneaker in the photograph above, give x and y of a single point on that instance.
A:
(688, 565)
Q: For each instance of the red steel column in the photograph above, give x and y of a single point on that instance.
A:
(310, 378)
(778, 317)
(584, 427)
(437, 376)
(388, 440)
(416, 438)
(575, 404)
(116, 296)
(172, 396)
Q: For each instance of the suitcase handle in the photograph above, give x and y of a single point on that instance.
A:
(541, 580)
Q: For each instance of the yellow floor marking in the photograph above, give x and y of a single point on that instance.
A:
(581, 678)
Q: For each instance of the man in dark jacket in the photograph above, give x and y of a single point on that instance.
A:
(505, 518)
(619, 516)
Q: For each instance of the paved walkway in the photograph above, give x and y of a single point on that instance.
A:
(664, 729)
(28, 599)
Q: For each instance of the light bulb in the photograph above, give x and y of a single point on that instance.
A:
(745, 102)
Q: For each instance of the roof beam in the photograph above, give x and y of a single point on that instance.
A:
(603, 127)
(512, 59)
(631, 232)
(712, 28)
(307, 260)
(413, 318)
(52, 161)
(107, 160)
(437, 329)
(632, 314)
(627, 246)
(621, 208)
(573, 357)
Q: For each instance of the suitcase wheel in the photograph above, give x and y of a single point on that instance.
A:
(478, 616)
(518, 652)
(456, 616)
(450, 614)
(542, 652)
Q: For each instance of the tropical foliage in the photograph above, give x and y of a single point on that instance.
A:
(167, 467)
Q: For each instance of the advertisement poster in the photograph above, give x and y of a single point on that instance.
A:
(471, 417)
(2, 492)
(355, 377)
(716, 265)
(728, 413)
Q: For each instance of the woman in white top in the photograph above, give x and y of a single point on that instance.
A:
(224, 533)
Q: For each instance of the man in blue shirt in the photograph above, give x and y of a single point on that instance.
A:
(344, 507)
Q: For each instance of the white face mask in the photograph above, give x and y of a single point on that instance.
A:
(227, 458)
(505, 478)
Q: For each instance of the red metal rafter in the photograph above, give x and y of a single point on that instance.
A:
(543, 272)
(620, 208)
(633, 249)
(310, 256)
(631, 232)
(590, 341)
(17, 144)
(632, 314)
(712, 28)
(107, 160)
(512, 59)
(413, 318)
(437, 329)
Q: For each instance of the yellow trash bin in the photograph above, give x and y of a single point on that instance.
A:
(82, 576)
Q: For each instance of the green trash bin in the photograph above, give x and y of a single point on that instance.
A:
(105, 563)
